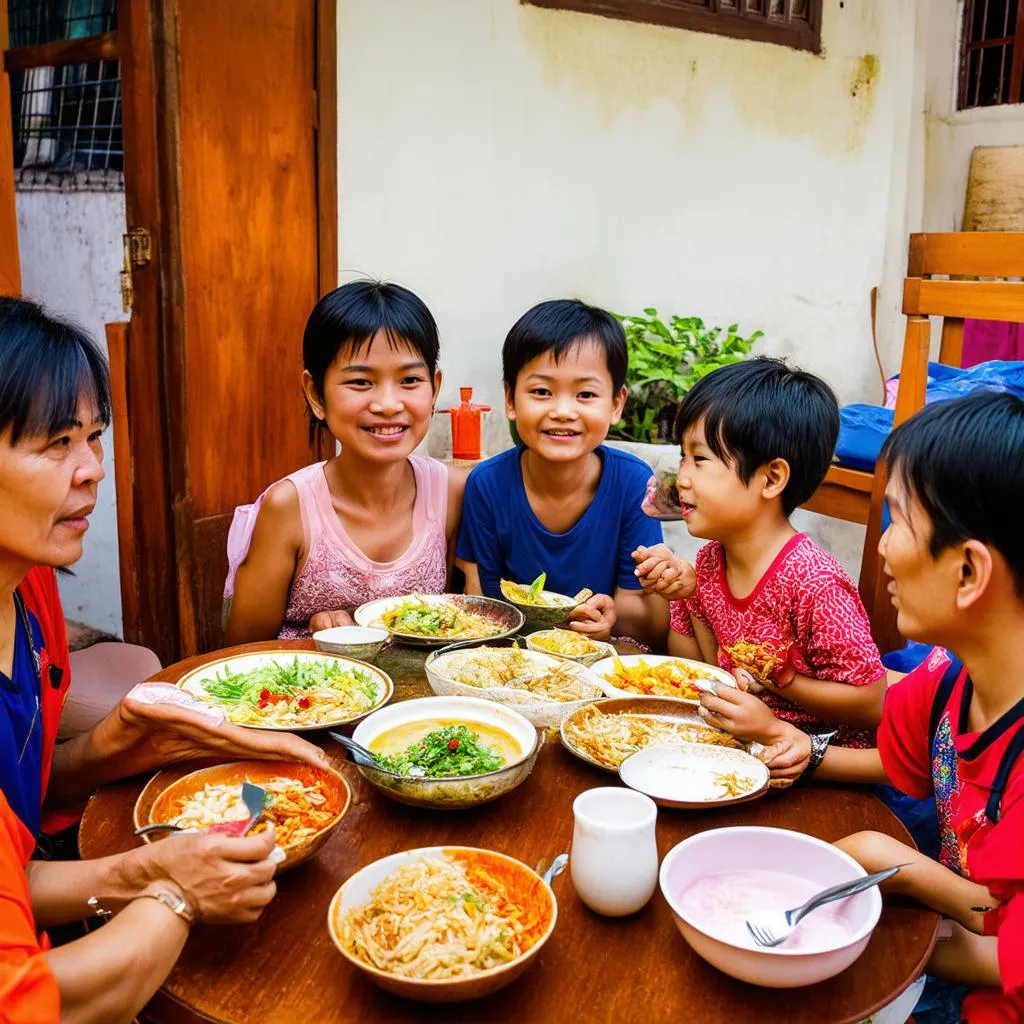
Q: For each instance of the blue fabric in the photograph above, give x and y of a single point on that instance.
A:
(21, 730)
(863, 428)
(504, 539)
(941, 1002)
(907, 658)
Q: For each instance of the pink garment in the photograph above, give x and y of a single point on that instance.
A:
(985, 340)
(336, 574)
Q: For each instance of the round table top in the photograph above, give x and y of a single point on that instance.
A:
(285, 968)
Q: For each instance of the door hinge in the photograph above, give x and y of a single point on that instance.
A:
(138, 247)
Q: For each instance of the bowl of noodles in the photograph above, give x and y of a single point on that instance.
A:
(660, 675)
(306, 804)
(442, 924)
(570, 646)
(539, 686)
(449, 753)
(436, 620)
(289, 689)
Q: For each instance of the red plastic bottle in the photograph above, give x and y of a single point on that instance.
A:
(466, 427)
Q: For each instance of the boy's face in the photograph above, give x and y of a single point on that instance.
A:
(563, 410)
(715, 502)
(924, 588)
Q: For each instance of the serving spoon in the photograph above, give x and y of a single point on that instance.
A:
(255, 799)
(363, 755)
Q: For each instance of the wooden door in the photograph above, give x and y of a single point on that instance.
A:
(232, 184)
(10, 273)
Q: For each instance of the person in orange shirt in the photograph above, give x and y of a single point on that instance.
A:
(112, 972)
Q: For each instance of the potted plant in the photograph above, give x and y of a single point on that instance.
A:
(665, 361)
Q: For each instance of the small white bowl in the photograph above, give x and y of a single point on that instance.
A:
(603, 650)
(743, 848)
(360, 642)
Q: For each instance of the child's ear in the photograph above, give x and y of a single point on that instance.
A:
(618, 405)
(510, 405)
(976, 567)
(312, 397)
(775, 475)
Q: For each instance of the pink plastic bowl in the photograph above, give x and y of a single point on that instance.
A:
(740, 849)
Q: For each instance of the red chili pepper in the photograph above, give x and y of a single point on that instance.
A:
(453, 745)
(303, 702)
(264, 695)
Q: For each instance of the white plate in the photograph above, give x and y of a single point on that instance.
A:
(192, 682)
(510, 619)
(712, 676)
(686, 774)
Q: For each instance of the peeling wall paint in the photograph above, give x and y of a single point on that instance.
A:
(70, 247)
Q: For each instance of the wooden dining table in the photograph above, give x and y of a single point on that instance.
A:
(285, 969)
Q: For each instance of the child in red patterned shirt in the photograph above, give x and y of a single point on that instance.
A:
(955, 553)
(766, 602)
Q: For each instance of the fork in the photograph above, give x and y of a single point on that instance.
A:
(772, 927)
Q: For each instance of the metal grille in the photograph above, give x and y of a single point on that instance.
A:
(991, 53)
(32, 22)
(66, 120)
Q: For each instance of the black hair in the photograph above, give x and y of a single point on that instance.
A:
(47, 366)
(761, 409)
(558, 326)
(964, 462)
(353, 314)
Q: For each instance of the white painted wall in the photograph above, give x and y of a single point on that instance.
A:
(493, 155)
(952, 134)
(70, 246)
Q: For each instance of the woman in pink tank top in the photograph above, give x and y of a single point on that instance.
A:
(374, 521)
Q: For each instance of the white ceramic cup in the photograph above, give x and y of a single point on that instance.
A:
(614, 858)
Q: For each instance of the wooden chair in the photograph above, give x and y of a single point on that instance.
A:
(858, 496)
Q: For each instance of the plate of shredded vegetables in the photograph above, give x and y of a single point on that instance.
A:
(659, 675)
(304, 803)
(435, 620)
(290, 690)
(442, 924)
(609, 731)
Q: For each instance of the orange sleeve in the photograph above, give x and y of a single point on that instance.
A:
(28, 989)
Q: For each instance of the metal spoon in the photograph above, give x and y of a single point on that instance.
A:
(557, 867)
(255, 800)
(362, 755)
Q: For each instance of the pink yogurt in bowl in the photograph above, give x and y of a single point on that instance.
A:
(712, 880)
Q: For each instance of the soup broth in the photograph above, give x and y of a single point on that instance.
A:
(399, 738)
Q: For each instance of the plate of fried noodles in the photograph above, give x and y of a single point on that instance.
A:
(304, 803)
(442, 924)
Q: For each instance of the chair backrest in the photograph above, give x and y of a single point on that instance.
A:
(963, 254)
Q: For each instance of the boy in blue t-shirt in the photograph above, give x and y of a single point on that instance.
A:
(562, 502)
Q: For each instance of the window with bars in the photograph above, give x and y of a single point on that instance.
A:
(991, 53)
(795, 23)
(66, 119)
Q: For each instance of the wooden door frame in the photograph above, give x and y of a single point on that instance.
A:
(10, 267)
(165, 606)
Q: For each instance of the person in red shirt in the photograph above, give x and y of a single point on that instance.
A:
(763, 600)
(954, 552)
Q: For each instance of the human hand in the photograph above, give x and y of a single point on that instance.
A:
(328, 620)
(747, 717)
(788, 757)
(137, 737)
(661, 571)
(594, 618)
(747, 683)
(225, 879)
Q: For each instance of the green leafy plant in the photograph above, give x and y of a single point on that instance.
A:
(665, 361)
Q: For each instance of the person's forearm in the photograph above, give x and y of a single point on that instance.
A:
(838, 702)
(642, 616)
(60, 889)
(80, 767)
(113, 972)
(682, 646)
(844, 764)
(967, 959)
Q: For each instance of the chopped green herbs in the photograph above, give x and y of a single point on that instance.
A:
(451, 751)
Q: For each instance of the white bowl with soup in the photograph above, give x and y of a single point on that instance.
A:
(487, 750)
